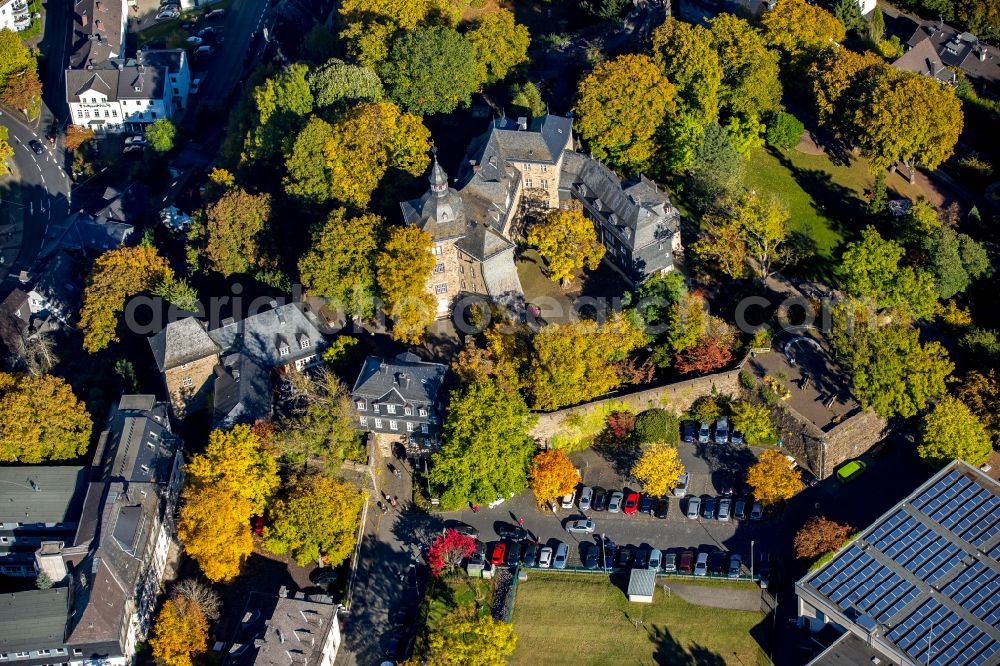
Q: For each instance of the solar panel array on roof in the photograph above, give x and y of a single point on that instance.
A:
(951, 640)
(855, 579)
(978, 590)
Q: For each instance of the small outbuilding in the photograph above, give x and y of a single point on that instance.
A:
(641, 584)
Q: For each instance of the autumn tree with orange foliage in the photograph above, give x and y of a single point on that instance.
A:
(76, 136)
(23, 91)
(772, 478)
(179, 633)
(707, 356)
(552, 476)
(214, 526)
(820, 536)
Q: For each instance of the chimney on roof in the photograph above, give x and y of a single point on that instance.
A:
(522, 123)
(982, 53)
(403, 380)
(83, 19)
(100, 7)
(383, 367)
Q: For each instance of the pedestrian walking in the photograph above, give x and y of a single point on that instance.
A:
(520, 521)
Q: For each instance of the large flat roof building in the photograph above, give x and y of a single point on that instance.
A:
(922, 584)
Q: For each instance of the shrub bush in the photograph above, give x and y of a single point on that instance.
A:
(657, 425)
(784, 130)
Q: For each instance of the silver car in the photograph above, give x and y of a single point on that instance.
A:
(724, 508)
(655, 557)
(615, 503)
(562, 552)
(722, 430)
(586, 493)
(704, 433)
(584, 526)
(682, 485)
(701, 565)
(545, 558)
(694, 508)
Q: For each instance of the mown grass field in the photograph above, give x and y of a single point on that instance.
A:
(584, 619)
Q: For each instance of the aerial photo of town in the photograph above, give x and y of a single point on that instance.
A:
(499, 332)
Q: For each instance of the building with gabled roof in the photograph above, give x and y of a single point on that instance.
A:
(99, 30)
(286, 630)
(962, 50)
(400, 396)
(922, 583)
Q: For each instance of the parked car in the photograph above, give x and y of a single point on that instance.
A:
(512, 532)
(735, 565)
(568, 500)
(670, 562)
(631, 504)
(167, 14)
(708, 508)
(701, 565)
(600, 499)
(694, 506)
(586, 495)
(685, 563)
(478, 557)
(392, 646)
(704, 433)
(576, 526)
(624, 557)
(724, 504)
(610, 551)
(646, 504)
(689, 430)
(36, 146)
(193, 39)
(641, 558)
(562, 552)
(722, 430)
(615, 503)
(499, 552)
(464, 529)
(757, 511)
(215, 13)
(660, 508)
(545, 557)
(682, 485)
(808, 479)
(531, 554)
(206, 50)
(736, 437)
(851, 471)
(590, 553)
(513, 553)
(740, 509)
(717, 563)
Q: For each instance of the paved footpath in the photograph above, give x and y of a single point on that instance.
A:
(721, 596)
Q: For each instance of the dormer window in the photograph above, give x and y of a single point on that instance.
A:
(304, 343)
(283, 350)
(391, 409)
(362, 406)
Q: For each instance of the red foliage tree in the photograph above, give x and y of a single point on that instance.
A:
(707, 356)
(621, 424)
(820, 536)
(448, 551)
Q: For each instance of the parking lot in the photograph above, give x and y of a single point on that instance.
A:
(712, 467)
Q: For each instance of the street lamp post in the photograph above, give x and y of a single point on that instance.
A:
(604, 556)
(751, 559)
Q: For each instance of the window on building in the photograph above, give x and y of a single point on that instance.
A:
(77, 652)
(283, 350)
(439, 268)
(393, 425)
(441, 288)
(304, 343)
(114, 112)
(408, 410)
(409, 427)
(461, 269)
(378, 423)
(527, 167)
(188, 382)
(545, 167)
(423, 428)
(436, 250)
(363, 420)
(153, 114)
(545, 184)
(362, 405)
(463, 284)
(391, 409)
(527, 183)
(422, 412)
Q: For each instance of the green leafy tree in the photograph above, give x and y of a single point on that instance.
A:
(956, 260)
(315, 520)
(870, 268)
(369, 25)
(848, 12)
(656, 295)
(747, 232)
(680, 139)
(876, 25)
(578, 361)
(657, 425)
(951, 431)
(784, 130)
(160, 134)
(567, 242)
(403, 267)
(23, 91)
(41, 419)
(621, 104)
(366, 142)
(340, 265)
(685, 53)
(754, 421)
(234, 225)
(750, 84)
(322, 433)
(527, 99)
(16, 56)
(717, 168)
(486, 449)
(464, 637)
(430, 70)
(499, 44)
(280, 106)
(891, 372)
(307, 177)
(746, 134)
(6, 150)
(605, 9)
(342, 85)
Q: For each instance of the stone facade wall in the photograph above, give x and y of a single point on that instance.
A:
(450, 277)
(676, 397)
(851, 438)
(191, 398)
(535, 176)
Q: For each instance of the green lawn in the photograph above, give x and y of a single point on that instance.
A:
(584, 619)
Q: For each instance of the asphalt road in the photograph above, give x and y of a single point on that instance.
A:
(223, 70)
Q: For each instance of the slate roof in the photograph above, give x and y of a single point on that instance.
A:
(849, 650)
(41, 493)
(15, 318)
(923, 59)
(85, 233)
(181, 342)
(97, 32)
(118, 79)
(403, 379)
(932, 560)
(295, 633)
(79, 81)
(980, 61)
(59, 283)
(126, 499)
(33, 619)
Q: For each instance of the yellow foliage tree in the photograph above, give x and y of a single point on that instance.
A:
(404, 265)
(369, 24)
(568, 243)
(772, 478)
(214, 526)
(621, 105)
(799, 28)
(40, 419)
(659, 468)
(552, 476)
(179, 632)
(236, 461)
(464, 639)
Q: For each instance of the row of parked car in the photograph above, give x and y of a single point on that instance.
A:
(625, 501)
(705, 432)
(724, 508)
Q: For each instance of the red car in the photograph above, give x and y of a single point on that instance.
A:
(499, 551)
(631, 504)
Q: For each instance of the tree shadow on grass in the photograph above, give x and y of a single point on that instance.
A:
(669, 651)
